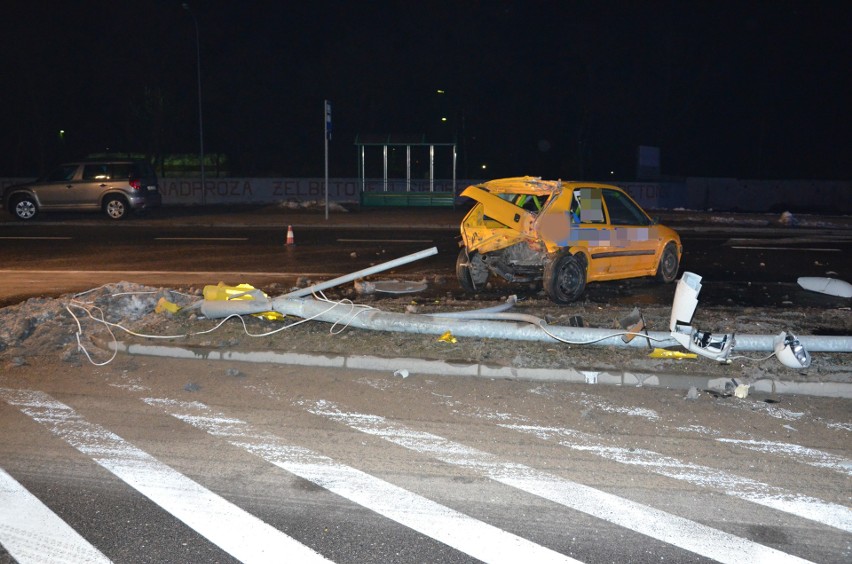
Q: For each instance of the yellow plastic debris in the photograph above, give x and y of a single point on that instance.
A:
(447, 338)
(665, 353)
(221, 292)
(166, 305)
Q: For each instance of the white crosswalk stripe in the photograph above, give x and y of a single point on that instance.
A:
(808, 507)
(239, 533)
(33, 534)
(478, 539)
(657, 524)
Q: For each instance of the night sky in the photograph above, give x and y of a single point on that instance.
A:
(555, 89)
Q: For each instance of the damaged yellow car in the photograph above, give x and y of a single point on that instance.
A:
(564, 234)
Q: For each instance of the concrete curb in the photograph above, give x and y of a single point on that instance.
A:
(416, 366)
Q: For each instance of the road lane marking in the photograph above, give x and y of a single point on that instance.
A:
(37, 238)
(666, 527)
(33, 534)
(201, 238)
(384, 240)
(809, 249)
(457, 530)
(205, 273)
(235, 531)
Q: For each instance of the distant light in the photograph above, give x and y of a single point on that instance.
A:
(441, 92)
(484, 166)
(611, 173)
(61, 132)
(443, 119)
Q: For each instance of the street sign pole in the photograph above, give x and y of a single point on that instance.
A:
(327, 138)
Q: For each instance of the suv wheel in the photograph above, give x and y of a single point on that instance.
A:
(564, 279)
(24, 207)
(116, 207)
(667, 269)
(471, 271)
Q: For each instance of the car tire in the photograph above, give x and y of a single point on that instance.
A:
(669, 264)
(471, 271)
(564, 279)
(24, 207)
(116, 207)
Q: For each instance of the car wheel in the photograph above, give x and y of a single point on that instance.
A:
(564, 279)
(115, 207)
(471, 271)
(668, 267)
(24, 207)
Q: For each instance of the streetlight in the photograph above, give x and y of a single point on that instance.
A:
(200, 119)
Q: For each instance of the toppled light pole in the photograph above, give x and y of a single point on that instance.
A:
(491, 323)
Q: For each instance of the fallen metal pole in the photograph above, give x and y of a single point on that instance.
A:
(366, 318)
(361, 273)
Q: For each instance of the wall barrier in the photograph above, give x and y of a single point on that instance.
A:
(719, 194)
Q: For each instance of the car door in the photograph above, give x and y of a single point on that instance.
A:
(56, 190)
(97, 179)
(633, 243)
(590, 230)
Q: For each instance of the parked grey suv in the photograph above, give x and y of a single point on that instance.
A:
(113, 186)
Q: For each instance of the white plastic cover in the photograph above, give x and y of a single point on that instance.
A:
(790, 352)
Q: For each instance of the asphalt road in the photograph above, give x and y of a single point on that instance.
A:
(194, 461)
(745, 267)
(152, 460)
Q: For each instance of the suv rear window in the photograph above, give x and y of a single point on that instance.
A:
(143, 169)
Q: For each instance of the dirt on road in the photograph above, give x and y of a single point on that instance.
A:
(53, 332)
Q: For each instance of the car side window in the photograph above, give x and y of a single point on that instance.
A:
(622, 211)
(62, 174)
(96, 172)
(586, 206)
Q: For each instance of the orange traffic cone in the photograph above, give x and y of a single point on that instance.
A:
(290, 239)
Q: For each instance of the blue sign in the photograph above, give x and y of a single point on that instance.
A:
(328, 120)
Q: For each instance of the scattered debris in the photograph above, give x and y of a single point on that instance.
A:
(701, 342)
(741, 391)
(693, 393)
(788, 219)
(790, 352)
(829, 286)
(389, 287)
(633, 324)
(448, 338)
(402, 372)
(665, 353)
(192, 387)
(234, 373)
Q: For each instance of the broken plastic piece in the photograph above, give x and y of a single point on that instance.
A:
(702, 342)
(790, 352)
(685, 300)
(634, 323)
(741, 391)
(447, 338)
(165, 305)
(830, 286)
(221, 292)
(665, 353)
